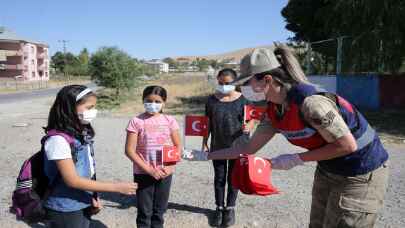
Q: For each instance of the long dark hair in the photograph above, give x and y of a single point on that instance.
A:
(63, 116)
(227, 72)
(155, 90)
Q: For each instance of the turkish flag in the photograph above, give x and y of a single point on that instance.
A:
(170, 154)
(196, 126)
(252, 175)
(254, 112)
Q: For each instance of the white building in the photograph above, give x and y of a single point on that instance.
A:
(159, 66)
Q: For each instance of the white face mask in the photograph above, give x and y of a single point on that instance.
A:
(87, 116)
(152, 108)
(250, 94)
(225, 89)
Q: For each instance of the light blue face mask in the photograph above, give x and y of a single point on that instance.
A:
(152, 108)
(251, 95)
(225, 89)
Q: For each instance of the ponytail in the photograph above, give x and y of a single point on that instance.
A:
(290, 65)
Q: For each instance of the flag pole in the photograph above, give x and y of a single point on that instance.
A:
(184, 133)
(244, 114)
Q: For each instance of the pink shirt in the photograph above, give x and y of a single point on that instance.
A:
(153, 133)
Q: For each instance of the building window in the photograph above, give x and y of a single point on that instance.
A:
(33, 74)
(32, 50)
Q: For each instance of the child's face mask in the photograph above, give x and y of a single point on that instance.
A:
(152, 108)
(225, 89)
(87, 116)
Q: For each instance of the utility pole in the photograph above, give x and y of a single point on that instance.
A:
(65, 73)
(339, 51)
(339, 55)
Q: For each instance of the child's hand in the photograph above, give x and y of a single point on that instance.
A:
(168, 170)
(96, 203)
(127, 188)
(96, 206)
(205, 147)
(246, 129)
(156, 173)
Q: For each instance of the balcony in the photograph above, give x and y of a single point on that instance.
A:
(42, 67)
(11, 67)
(41, 55)
(11, 52)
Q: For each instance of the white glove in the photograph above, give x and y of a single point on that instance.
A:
(194, 155)
(286, 161)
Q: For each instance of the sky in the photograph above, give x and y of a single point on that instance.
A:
(148, 29)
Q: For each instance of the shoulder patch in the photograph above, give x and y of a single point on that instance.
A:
(326, 120)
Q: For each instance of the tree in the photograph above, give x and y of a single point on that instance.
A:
(84, 56)
(82, 66)
(113, 68)
(58, 61)
(375, 35)
(64, 62)
(214, 64)
(202, 64)
(172, 63)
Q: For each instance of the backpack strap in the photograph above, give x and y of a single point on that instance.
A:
(67, 137)
(71, 141)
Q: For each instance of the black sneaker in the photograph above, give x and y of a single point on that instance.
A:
(229, 217)
(217, 218)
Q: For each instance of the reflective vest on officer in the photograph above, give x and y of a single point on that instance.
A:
(370, 153)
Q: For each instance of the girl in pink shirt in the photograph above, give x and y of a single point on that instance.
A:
(147, 133)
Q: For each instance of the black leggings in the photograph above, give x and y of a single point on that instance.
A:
(152, 198)
(74, 219)
(223, 174)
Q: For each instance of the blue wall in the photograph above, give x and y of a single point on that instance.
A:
(328, 82)
(360, 90)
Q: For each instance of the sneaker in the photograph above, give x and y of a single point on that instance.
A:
(229, 217)
(217, 218)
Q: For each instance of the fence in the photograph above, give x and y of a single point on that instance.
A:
(349, 55)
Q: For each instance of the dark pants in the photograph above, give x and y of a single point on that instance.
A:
(223, 172)
(152, 199)
(74, 219)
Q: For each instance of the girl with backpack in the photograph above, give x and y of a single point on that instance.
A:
(147, 133)
(71, 168)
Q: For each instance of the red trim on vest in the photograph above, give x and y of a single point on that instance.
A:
(292, 121)
(345, 104)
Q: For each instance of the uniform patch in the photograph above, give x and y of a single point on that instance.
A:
(326, 120)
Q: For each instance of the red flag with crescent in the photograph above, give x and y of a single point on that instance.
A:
(252, 175)
(170, 154)
(196, 126)
(254, 112)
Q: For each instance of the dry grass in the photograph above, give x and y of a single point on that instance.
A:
(186, 94)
